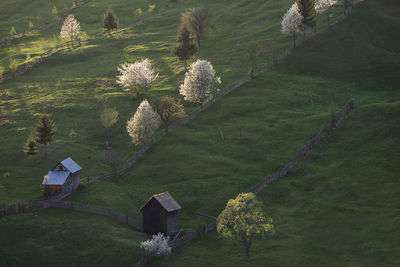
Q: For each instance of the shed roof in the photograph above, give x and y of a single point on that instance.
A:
(55, 178)
(166, 201)
(71, 165)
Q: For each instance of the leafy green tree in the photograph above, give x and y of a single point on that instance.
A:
(243, 220)
(110, 20)
(198, 20)
(151, 8)
(30, 147)
(108, 118)
(13, 66)
(13, 31)
(30, 24)
(138, 12)
(185, 47)
(45, 129)
(54, 11)
(252, 52)
(168, 108)
(307, 10)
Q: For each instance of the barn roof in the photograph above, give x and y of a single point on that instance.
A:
(55, 178)
(166, 201)
(71, 165)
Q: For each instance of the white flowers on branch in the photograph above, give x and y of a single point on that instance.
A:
(199, 82)
(291, 22)
(136, 76)
(71, 27)
(143, 124)
(322, 6)
(157, 246)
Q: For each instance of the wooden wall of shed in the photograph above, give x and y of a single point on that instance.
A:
(75, 181)
(172, 222)
(152, 217)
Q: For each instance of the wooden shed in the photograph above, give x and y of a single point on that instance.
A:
(63, 178)
(160, 214)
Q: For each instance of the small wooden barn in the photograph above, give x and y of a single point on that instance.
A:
(160, 214)
(63, 178)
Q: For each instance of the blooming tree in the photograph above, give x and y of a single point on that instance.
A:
(199, 82)
(136, 76)
(322, 7)
(291, 22)
(143, 124)
(70, 27)
(157, 246)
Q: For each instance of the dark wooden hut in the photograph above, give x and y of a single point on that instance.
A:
(160, 214)
(63, 178)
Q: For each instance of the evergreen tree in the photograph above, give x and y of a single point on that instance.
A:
(30, 148)
(307, 10)
(45, 130)
(110, 20)
(185, 47)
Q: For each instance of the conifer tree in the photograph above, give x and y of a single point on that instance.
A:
(45, 130)
(307, 10)
(110, 20)
(30, 147)
(185, 46)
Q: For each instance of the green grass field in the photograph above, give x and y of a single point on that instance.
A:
(192, 163)
(338, 208)
(66, 238)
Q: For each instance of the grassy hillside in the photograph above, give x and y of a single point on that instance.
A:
(66, 238)
(202, 172)
(199, 169)
(338, 208)
(74, 86)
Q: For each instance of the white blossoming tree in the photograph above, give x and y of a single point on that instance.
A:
(291, 22)
(143, 124)
(322, 7)
(199, 82)
(70, 28)
(137, 76)
(157, 246)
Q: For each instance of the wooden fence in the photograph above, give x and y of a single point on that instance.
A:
(22, 207)
(222, 92)
(305, 150)
(10, 39)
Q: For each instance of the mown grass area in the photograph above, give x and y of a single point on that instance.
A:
(66, 238)
(75, 86)
(340, 207)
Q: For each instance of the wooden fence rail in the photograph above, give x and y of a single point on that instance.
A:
(31, 206)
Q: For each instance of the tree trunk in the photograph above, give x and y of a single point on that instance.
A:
(294, 39)
(304, 32)
(329, 21)
(166, 128)
(247, 247)
(198, 40)
(185, 65)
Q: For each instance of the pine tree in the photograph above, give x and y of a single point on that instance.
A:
(110, 20)
(185, 46)
(45, 130)
(30, 148)
(307, 10)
